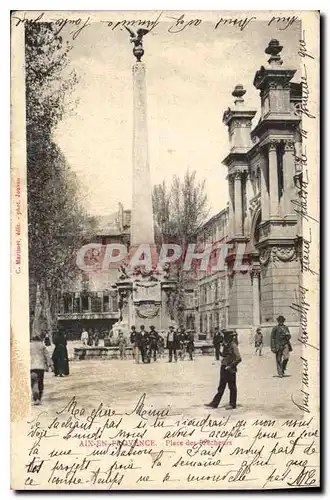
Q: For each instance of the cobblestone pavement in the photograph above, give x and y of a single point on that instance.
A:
(185, 385)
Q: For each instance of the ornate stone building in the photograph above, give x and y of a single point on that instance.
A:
(263, 181)
(92, 300)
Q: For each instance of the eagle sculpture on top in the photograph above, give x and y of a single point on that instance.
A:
(136, 39)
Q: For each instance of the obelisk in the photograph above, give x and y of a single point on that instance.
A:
(142, 224)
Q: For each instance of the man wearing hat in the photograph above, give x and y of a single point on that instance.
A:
(135, 339)
(217, 342)
(154, 340)
(172, 344)
(280, 345)
(189, 339)
(230, 359)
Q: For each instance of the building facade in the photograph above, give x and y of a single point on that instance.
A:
(92, 301)
(264, 184)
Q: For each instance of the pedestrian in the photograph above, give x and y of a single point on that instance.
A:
(122, 343)
(96, 338)
(161, 346)
(47, 341)
(190, 344)
(154, 339)
(258, 341)
(181, 343)
(172, 344)
(90, 338)
(280, 345)
(230, 359)
(39, 363)
(144, 345)
(135, 341)
(60, 355)
(217, 342)
(84, 337)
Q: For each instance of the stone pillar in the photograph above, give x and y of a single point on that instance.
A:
(231, 215)
(226, 301)
(273, 179)
(142, 225)
(288, 176)
(249, 195)
(255, 273)
(238, 203)
(264, 194)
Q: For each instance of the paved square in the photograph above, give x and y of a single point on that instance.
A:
(185, 385)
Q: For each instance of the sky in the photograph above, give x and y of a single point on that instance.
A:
(190, 77)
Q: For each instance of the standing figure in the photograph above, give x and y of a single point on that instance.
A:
(84, 337)
(145, 345)
(280, 345)
(230, 359)
(47, 341)
(181, 343)
(154, 340)
(258, 341)
(90, 338)
(122, 343)
(96, 338)
(135, 339)
(39, 363)
(172, 344)
(161, 346)
(190, 344)
(60, 355)
(217, 342)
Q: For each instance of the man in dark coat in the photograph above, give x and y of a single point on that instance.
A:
(189, 339)
(144, 345)
(217, 342)
(280, 345)
(154, 339)
(181, 342)
(135, 339)
(172, 344)
(230, 359)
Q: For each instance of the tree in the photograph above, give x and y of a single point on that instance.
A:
(180, 211)
(56, 220)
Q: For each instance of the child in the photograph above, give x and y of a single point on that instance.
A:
(122, 343)
(258, 341)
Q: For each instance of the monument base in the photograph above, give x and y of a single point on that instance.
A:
(146, 301)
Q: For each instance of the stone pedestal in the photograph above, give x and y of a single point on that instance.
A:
(280, 270)
(145, 302)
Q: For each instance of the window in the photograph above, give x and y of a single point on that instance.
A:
(68, 303)
(96, 305)
(216, 294)
(76, 304)
(106, 303)
(114, 302)
(84, 303)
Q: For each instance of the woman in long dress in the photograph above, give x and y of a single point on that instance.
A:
(60, 355)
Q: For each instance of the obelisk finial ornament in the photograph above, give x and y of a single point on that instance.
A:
(137, 38)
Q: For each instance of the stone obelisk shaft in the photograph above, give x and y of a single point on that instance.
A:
(142, 224)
